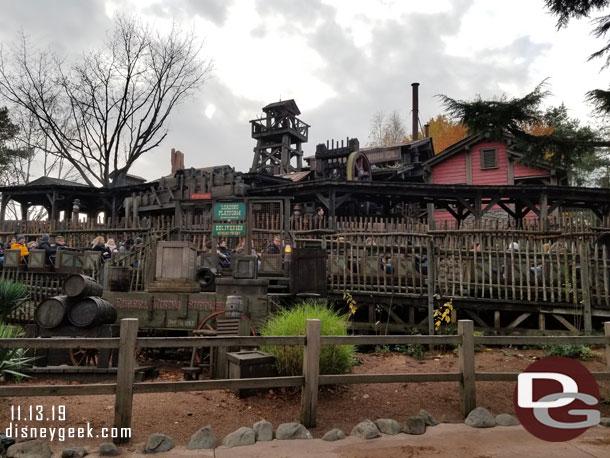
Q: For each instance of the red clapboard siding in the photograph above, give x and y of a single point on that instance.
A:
(497, 176)
(452, 170)
(525, 171)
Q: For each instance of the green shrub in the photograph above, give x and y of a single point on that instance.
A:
(334, 359)
(12, 360)
(569, 351)
(12, 296)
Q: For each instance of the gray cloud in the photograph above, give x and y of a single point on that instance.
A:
(68, 25)
(212, 10)
(404, 49)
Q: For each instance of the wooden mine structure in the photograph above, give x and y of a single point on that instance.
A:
(279, 136)
(336, 226)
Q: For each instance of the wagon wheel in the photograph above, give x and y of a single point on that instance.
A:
(84, 356)
(210, 323)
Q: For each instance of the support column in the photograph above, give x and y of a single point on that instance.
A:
(332, 209)
(544, 211)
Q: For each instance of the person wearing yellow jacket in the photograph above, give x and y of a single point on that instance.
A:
(20, 245)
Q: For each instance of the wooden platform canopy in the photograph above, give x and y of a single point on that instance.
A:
(460, 200)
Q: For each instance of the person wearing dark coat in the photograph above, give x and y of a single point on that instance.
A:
(45, 244)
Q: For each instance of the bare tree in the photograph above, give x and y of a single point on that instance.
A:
(386, 130)
(33, 161)
(105, 110)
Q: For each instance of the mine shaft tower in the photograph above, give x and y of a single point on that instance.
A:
(279, 136)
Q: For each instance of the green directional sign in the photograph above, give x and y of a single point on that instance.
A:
(229, 230)
(230, 211)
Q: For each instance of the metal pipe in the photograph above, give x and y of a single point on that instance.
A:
(415, 129)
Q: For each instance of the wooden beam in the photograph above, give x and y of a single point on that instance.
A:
(517, 321)
(468, 388)
(125, 376)
(565, 322)
(311, 373)
(472, 314)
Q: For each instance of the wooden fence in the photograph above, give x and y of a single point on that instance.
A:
(125, 387)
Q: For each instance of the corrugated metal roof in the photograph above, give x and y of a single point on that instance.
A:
(296, 176)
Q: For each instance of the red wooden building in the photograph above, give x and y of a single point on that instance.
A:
(478, 160)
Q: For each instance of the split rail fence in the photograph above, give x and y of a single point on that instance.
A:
(128, 342)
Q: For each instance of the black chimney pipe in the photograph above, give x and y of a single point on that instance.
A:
(415, 87)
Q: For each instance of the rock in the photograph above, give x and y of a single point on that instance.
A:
(604, 421)
(480, 418)
(30, 449)
(287, 431)
(242, 436)
(333, 435)
(505, 419)
(202, 439)
(73, 452)
(429, 419)
(366, 429)
(415, 425)
(109, 449)
(158, 443)
(387, 426)
(263, 430)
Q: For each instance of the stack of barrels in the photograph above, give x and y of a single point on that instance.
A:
(81, 306)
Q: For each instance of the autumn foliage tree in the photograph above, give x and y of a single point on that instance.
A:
(445, 132)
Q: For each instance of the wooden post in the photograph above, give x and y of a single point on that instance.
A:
(466, 364)
(431, 221)
(544, 211)
(431, 285)
(125, 375)
(586, 290)
(607, 334)
(311, 372)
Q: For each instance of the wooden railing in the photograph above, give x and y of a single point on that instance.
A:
(125, 387)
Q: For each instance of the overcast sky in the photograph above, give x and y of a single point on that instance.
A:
(341, 60)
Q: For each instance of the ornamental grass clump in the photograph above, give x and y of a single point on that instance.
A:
(334, 359)
(13, 360)
(12, 296)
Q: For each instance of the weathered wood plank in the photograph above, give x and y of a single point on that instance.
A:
(467, 367)
(311, 373)
(389, 378)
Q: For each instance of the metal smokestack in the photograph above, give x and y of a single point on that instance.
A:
(415, 129)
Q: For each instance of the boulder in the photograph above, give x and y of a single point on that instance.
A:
(333, 435)
(428, 418)
(73, 452)
(263, 430)
(505, 419)
(287, 431)
(203, 439)
(242, 436)
(480, 418)
(604, 421)
(387, 426)
(157, 443)
(109, 449)
(366, 429)
(30, 449)
(414, 425)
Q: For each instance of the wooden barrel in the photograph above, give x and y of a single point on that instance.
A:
(119, 278)
(52, 312)
(80, 285)
(91, 311)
